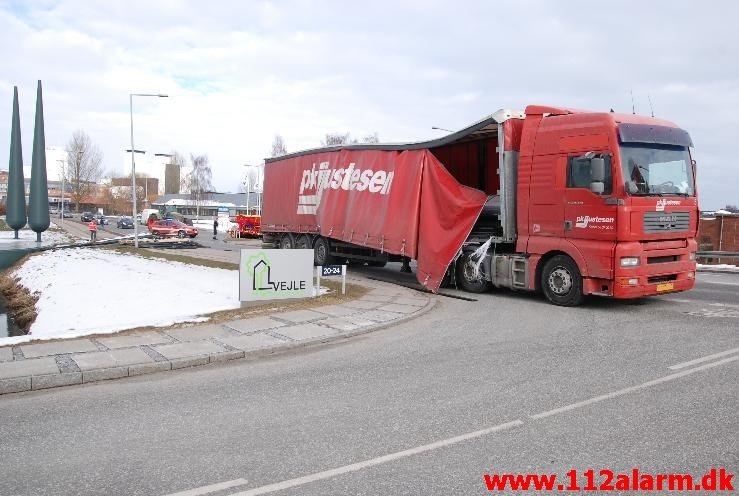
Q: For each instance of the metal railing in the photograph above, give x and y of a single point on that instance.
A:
(717, 254)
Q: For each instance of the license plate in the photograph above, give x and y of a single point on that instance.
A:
(665, 287)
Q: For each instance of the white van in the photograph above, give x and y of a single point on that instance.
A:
(145, 213)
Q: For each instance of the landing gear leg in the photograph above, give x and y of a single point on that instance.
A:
(406, 267)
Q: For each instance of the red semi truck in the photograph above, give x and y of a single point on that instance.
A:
(557, 200)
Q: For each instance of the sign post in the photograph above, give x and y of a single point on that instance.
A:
(328, 271)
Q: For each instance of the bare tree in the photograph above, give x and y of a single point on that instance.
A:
(370, 139)
(199, 181)
(172, 173)
(732, 208)
(338, 139)
(83, 168)
(278, 146)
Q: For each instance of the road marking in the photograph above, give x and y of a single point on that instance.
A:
(198, 491)
(627, 390)
(327, 474)
(702, 359)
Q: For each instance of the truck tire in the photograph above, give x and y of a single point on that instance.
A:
(466, 277)
(287, 241)
(302, 242)
(561, 281)
(321, 252)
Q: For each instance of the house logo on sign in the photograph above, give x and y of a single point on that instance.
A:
(259, 271)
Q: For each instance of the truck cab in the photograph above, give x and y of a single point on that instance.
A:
(607, 205)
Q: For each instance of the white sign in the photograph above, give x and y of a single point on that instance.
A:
(328, 271)
(275, 274)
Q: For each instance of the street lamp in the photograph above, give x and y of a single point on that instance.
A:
(61, 210)
(441, 129)
(252, 185)
(133, 165)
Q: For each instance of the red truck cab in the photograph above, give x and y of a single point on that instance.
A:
(631, 232)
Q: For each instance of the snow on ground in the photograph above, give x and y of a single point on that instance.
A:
(87, 291)
(724, 267)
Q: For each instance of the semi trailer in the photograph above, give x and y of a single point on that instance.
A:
(563, 201)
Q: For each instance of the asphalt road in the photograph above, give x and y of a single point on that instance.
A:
(504, 384)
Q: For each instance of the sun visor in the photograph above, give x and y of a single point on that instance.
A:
(648, 133)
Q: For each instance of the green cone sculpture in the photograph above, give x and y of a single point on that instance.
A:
(16, 200)
(38, 199)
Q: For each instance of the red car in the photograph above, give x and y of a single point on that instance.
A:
(171, 227)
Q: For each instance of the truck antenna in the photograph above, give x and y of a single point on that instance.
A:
(632, 101)
(651, 109)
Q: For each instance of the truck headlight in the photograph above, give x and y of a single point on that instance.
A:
(629, 261)
(692, 256)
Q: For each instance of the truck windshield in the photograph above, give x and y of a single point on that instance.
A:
(659, 170)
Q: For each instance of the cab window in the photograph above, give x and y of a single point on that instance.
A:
(578, 174)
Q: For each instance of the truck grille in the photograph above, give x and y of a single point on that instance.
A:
(657, 222)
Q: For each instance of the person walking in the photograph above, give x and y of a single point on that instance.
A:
(93, 227)
(215, 228)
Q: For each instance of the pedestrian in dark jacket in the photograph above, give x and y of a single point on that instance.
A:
(215, 228)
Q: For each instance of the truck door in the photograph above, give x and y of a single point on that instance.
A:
(590, 221)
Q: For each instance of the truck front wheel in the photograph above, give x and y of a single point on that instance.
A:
(562, 282)
(468, 278)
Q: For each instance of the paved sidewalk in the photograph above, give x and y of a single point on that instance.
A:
(44, 365)
(41, 365)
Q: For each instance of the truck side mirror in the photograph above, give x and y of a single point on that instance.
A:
(597, 187)
(597, 170)
(597, 175)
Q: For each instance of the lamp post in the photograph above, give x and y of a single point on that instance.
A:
(61, 210)
(133, 165)
(252, 185)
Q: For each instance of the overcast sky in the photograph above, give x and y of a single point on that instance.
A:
(238, 73)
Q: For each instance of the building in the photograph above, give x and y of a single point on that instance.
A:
(151, 165)
(719, 231)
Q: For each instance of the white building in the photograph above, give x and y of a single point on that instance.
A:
(151, 165)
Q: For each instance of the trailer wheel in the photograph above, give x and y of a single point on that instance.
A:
(467, 278)
(180, 234)
(321, 253)
(287, 241)
(303, 242)
(562, 282)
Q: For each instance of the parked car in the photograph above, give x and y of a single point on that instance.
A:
(125, 222)
(171, 227)
(101, 220)
(86, 216)
(67, 214)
